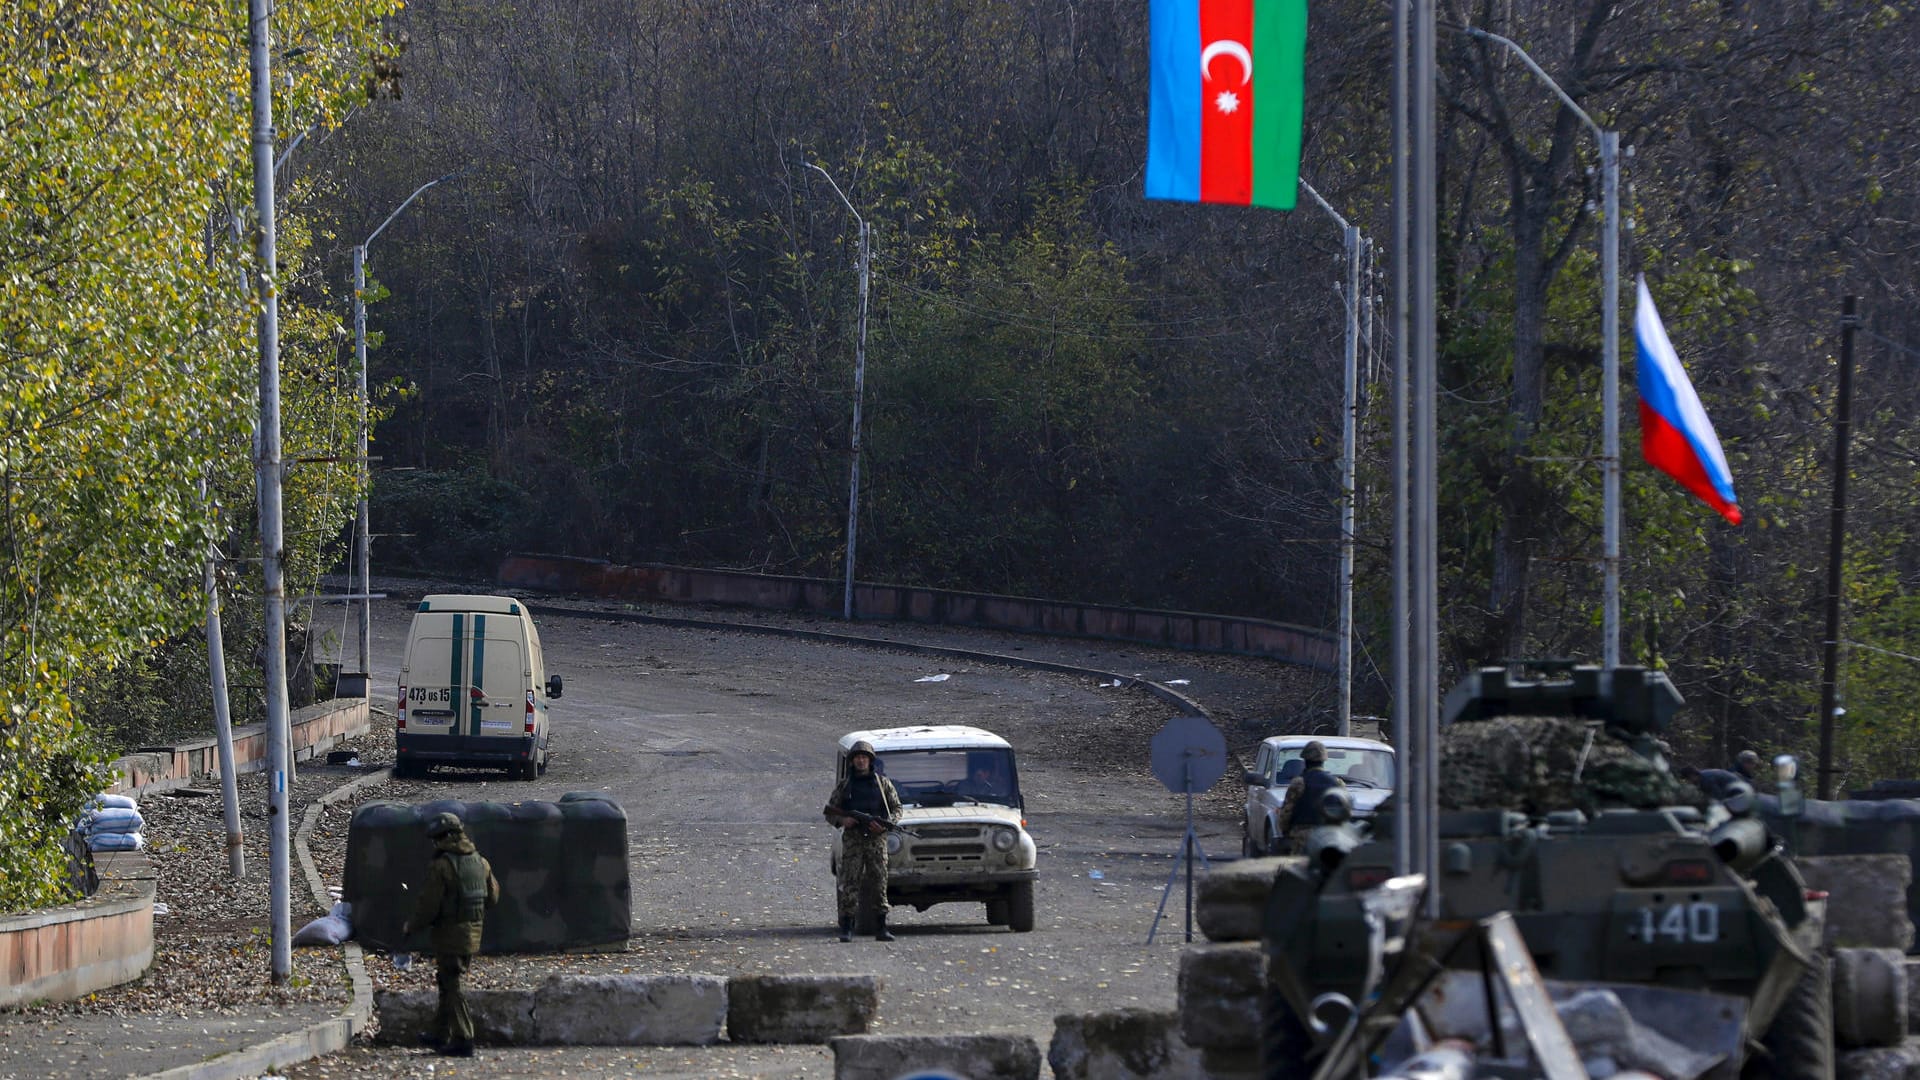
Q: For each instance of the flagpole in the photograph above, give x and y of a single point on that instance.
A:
(1609, 350)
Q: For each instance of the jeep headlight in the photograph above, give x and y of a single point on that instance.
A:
(1004, 839)
(893, 843)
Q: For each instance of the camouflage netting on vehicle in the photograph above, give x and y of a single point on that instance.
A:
(1539, 764)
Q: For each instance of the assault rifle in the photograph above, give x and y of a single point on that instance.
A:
(870, 819)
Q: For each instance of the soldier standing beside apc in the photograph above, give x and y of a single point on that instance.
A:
(862, 873)
(453, 905)
(1300, 810)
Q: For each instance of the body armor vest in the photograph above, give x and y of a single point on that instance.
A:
(1313, 784)
(468, 901)
(863, 794)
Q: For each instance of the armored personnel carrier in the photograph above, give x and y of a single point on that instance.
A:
(1559, 820)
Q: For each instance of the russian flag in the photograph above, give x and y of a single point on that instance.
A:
(1675, 434)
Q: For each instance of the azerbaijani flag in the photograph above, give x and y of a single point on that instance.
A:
(1675, 434)
(1223, 112)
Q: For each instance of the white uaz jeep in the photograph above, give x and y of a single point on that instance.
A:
(960, 796)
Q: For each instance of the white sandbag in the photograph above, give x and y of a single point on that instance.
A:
(118, 802)
(113, 819)
(325, 930)
(116, 841)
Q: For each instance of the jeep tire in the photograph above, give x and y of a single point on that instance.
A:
(1020, 907)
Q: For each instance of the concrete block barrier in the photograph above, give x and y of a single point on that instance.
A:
(1233, 898)
(1221, 987)
(630, 1010)
(1868, 908)
(800, 1008)
(500, 1017)
(1123, 1044)
(976, 1057)
(1869, 997)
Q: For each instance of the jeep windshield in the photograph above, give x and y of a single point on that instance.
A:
(945, 777)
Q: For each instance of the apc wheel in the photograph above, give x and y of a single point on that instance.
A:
(1020, 907)
(1799, 1042)
(997, 914)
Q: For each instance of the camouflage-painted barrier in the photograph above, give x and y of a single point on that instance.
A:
(562, 869)
(1854, 827)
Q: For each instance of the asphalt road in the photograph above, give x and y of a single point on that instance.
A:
(720, 746)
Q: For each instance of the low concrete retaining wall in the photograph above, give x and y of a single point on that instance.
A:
(315, 728)
(71, 951)
(107, 939)
(1287, 642)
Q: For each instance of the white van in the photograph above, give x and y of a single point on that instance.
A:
(473, 688)
(960, 796)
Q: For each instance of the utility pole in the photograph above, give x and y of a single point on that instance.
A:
(1349, 416)
(363, 547)
(222, 714)
(1424, 525)
(1610, 349)
(267, 478)
(1836, 545)
(1405, 853)
(859, 392)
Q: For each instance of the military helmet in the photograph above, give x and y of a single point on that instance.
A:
(863, 747)
(1314, 753)
(443, 823)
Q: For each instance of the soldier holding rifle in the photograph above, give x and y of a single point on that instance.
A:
(862, 873)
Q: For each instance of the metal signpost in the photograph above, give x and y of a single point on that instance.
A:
(1188, 755)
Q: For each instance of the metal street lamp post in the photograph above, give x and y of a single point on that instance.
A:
(363, 547)
(1610, 346)
(267, 481)
(859, 393)
(1349, 410)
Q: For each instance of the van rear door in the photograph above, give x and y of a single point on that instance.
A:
(435, 658)
(466, 674)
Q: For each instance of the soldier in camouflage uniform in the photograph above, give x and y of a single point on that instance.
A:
(460, 888)
(1300, 809)
(862, 876)
(1539, 764)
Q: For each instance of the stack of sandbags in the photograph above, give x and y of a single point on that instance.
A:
(113, 823)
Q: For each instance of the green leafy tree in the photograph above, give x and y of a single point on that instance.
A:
(125, 351)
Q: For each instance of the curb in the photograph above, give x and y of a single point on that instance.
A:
(316, 1040)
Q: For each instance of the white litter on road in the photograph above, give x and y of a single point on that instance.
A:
(942, 677)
